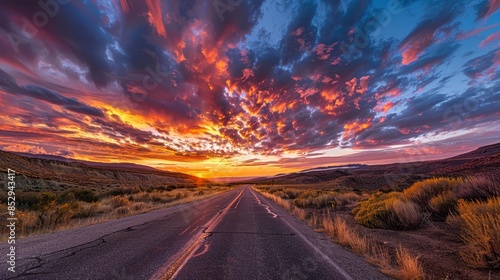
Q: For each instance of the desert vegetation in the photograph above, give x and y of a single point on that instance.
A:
(42, 212)
(468, 206)
(479, 222)
(306, 205)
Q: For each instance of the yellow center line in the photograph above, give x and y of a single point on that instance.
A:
(192, 246)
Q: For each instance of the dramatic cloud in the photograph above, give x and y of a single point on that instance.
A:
(486, 8)
(223, 88)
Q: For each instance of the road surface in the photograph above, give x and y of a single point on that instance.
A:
(235, 235)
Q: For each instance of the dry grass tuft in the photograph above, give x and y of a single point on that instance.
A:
(480, 231)
(404, 266)
(299, 213)
(443, 204)
(408, 266)
(407, 213)
(349, 199)
(346, 236)
(479, 187)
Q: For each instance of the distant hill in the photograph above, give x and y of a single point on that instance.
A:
(309, 177)
(395, 176)
(481, 152)
(227, 180)
(126, 166)
(40, 172)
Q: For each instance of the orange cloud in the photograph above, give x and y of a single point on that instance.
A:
(410, 55)
(155, 17)
(25, 149)
(353, 128)
(384, 107)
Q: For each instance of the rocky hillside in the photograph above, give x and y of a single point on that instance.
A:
(395, 176)
(49, 174)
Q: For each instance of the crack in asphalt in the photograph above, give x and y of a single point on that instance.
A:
(41, 259)
(38, 262)
(79, 248)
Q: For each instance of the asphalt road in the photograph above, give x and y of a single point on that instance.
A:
(235, 235)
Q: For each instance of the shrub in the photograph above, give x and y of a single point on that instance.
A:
(314, 199)
(67, 196)
(421, 192)
(480, 231)
(182, 195)
(480, 187)
(288, 193)
(86, 196)
(388, 211)
(122, 191)
(292, 193)
(275, 189)
(27, 221)
(85, 210)
(104, 208)
(161, 198)
(309, 194)
(122, 210)
(299, 213)
(50, 218)
(346, 199)
(442, 204)
(138, 206)
(407, 213)
(118, 201)
(28, 200)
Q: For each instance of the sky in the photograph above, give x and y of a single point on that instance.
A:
(227, 88)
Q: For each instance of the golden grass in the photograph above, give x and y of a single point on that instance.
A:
(388, 211)
(299, 213)
(421, 192)
(407, 213)
(408, 266)
(48, 212)
(346, 236)
(403, 266)
(443, 204)
(479, 187)
(480, 232)
(278, 200)
(314, 199)
(411, 208)
(379, 255)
